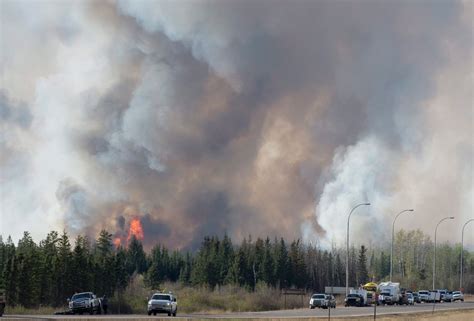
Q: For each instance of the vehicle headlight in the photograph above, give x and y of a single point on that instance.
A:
(167, 303)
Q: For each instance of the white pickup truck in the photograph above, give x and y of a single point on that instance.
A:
(424, 296)
(85, 302)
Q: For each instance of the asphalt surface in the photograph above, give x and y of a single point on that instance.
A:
(289, 314)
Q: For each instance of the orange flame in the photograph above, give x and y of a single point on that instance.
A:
(135, 230)
(117, 242)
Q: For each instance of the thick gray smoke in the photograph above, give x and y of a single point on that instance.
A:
(239, 117)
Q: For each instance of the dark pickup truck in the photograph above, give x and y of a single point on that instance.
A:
(354, 300)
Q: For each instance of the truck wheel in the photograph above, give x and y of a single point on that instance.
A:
(149, 313)
(175, 311)
(169, 314)
(154, 313)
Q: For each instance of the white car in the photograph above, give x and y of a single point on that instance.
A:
(458, 296)
(424, 295)
(410, 298)
(162, 303)
(84, 302)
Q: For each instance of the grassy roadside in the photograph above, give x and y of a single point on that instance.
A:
(194, 299)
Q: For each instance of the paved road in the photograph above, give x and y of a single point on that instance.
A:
(297, 313)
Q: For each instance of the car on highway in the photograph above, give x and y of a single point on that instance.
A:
(424, 295)
(458, 296)
(354, 299)
(320, 300)
(410, 298)
(442, 295)
(162, 303)
(403, 298)
(448, 296)
(416, 297)
(84, 302)
(435, 296)
(317, 300)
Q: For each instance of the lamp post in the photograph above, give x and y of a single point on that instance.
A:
(347, 246)
(434, 258)
(391, 248)
(462, 250)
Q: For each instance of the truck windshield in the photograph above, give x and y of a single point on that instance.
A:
(81, 296)
(319, 296)
(161, 297)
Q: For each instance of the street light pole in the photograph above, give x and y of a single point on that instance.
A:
(434, 258)
(347, 246)
(462, 252)
(391, 247)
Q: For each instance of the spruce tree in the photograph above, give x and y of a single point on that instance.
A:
(362, 273)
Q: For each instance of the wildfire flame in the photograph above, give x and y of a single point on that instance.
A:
(117, 241)
(135, 230)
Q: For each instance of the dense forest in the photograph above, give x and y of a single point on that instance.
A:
(51, 271)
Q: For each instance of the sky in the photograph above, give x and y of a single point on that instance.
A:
(236, 117)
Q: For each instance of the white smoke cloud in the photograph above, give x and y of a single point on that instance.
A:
(360, 173)
(213, 116)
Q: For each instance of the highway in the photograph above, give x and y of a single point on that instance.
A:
(280, 314)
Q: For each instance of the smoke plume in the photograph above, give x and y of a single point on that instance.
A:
(239, 117)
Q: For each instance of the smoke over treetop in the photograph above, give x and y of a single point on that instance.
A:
(263, 117)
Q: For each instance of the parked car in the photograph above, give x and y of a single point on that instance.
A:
(319, 300)
(424, 296)
(354, 299)
(410, 298)
(403, 298)
(162, 303)
(84, 302)
(435, 296)
(458, 296)
(442, 294)
(448, 296)
(364, 294)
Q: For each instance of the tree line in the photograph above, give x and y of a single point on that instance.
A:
(51, 271)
